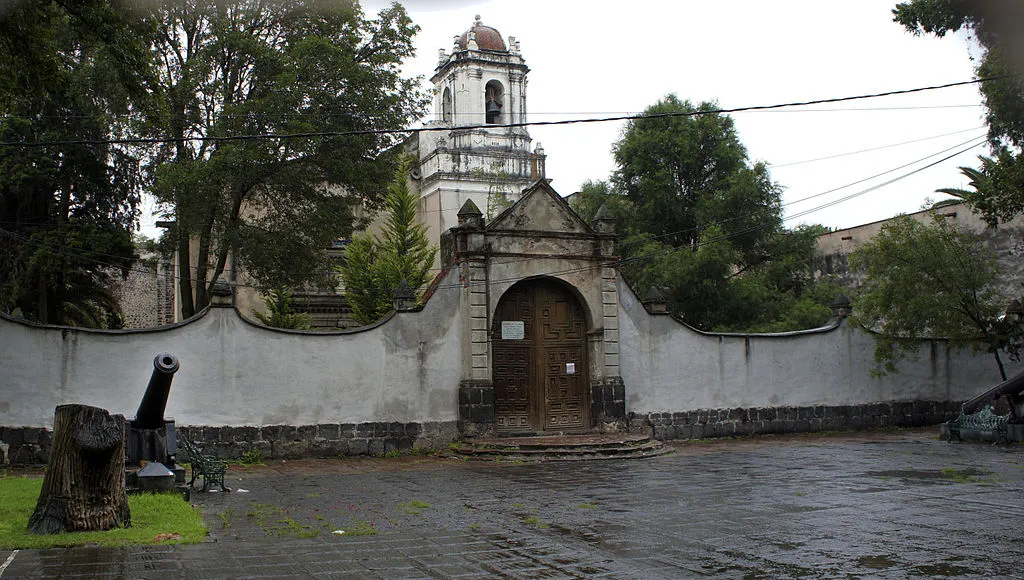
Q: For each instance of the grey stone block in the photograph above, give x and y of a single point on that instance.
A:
(376, 447)
(359, 446)
(329, 431)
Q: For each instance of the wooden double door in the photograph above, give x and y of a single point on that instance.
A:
(539, 369)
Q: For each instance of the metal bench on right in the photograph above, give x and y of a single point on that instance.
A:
(208, 466)
(984, 422)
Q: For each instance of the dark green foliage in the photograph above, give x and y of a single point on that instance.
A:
(930, 280)
(375, 266)
(68, 71)
(248, 67)
(998, 185)
(281, 312)
(701, 222)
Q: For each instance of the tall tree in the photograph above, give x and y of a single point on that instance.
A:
(997, 187)
(704, 223)
(69, 72)
(931, 280)
(375, 267)
(258, 67)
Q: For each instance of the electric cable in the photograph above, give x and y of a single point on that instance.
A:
(362, 132)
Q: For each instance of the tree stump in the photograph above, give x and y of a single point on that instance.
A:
(84, 488)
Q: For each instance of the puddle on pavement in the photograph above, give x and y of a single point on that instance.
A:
(877, 562)
(931, 476)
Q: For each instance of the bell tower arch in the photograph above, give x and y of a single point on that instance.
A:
(473, 149)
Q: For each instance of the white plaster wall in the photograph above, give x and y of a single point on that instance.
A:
(236, 373)
(668, 366)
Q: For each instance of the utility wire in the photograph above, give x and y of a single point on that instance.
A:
(315, 115)
(643, 116)
(80, 254)
(879, 148)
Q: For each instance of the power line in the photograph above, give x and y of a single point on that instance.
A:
(67, 251)
(314, 115)
(879, 148)
(364, 132)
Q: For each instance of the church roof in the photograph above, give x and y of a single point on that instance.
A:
(487, 38)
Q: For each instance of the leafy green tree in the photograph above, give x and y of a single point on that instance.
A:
(703, 223)
(281, 311)
(375, 267)
(997, 187)
(257, 67)
(930, 280)
(69, 72)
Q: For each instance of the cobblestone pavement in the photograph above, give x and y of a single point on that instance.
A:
(897, 504)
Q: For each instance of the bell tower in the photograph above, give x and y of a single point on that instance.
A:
(474, 150)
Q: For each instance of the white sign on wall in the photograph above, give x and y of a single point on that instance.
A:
(513, 330)
(570, 368)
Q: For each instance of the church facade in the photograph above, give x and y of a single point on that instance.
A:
(527, 329)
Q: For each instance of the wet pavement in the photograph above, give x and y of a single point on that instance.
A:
(894, 505)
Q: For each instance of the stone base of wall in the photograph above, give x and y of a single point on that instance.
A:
(709, 423)
(476, 408)
(31, 445)
(26, 445)
(608, 401)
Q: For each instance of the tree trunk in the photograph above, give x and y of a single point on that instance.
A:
(84, 488)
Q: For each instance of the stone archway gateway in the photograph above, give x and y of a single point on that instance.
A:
(539, 338)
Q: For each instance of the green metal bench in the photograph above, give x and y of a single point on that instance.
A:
(208, 466)
(983, 420)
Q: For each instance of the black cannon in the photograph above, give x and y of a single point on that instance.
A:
(151, 436)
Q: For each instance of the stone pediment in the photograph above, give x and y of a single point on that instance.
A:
(540, 209)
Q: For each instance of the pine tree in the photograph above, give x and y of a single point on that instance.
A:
(375, 266)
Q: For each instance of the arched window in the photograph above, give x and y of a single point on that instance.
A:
(493, 102)
(446, 106)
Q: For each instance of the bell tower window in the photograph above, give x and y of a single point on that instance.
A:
(493, 102)
(446, 106)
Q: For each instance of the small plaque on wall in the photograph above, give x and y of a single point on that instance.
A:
(513, 330)
(570, 368)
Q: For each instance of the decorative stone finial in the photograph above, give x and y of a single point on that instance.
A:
(476, 20)
(221, 295)
(539, 149)
(655, 302)
(405, 297)
(470, 215)
(841, 307)
(604, 221)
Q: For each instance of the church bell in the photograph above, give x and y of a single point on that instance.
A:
(493, 109)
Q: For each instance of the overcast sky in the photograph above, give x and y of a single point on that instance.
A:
(590, 61)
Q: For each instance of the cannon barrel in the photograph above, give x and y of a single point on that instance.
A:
(151, 410)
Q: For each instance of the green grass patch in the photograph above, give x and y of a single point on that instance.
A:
(275, 520)
(536, 522)
(966, 475)
(252, 457)
(361, 528)
(156, 518)
(414, 507)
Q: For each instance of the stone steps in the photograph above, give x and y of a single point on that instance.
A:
(535, 449)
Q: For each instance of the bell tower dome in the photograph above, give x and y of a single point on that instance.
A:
(477, 146)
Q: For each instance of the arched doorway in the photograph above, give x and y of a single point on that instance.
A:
(539, 365)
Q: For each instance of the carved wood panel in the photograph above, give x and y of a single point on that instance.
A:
(512, 366)
(540, 381)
